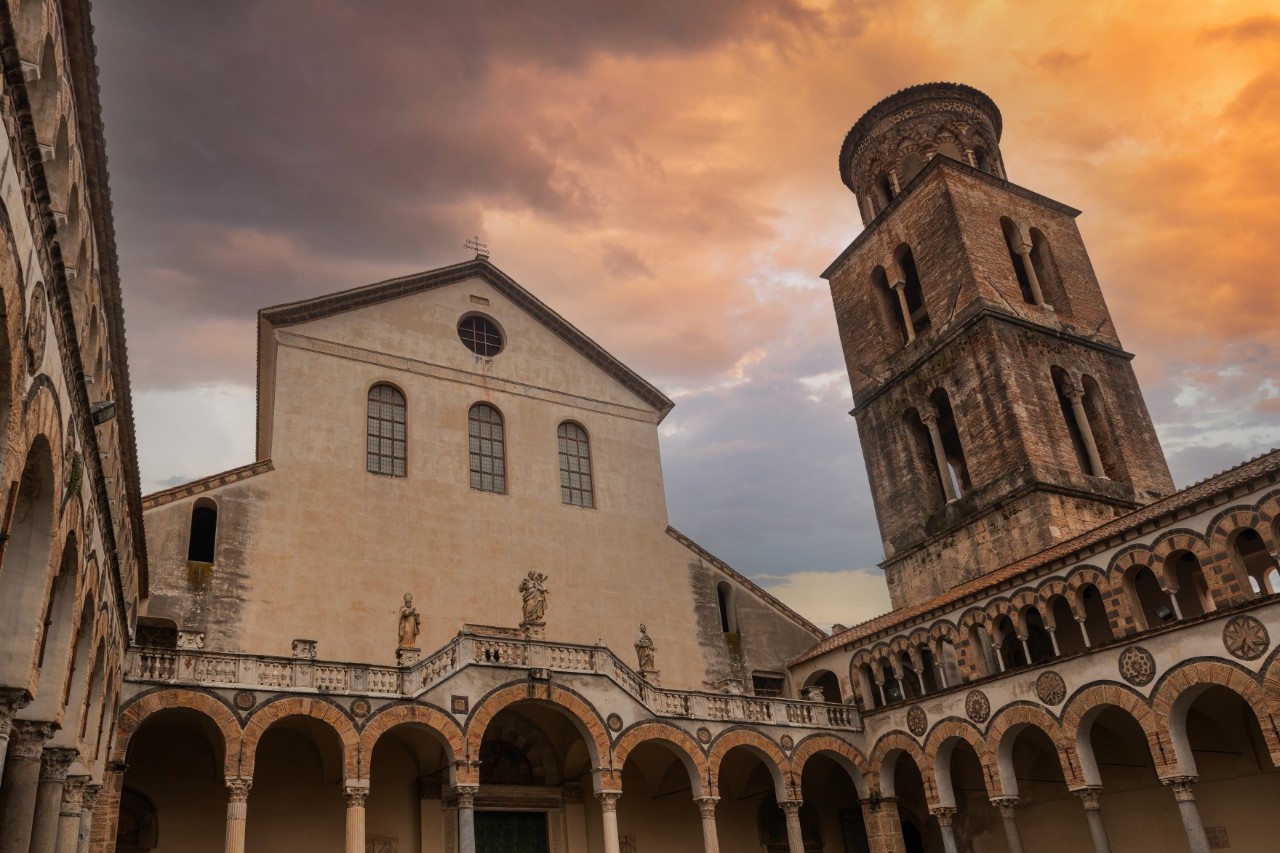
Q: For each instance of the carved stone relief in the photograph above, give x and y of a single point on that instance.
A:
(1137, 666)
(1051, 688)
(977, 706)
(1245, 637)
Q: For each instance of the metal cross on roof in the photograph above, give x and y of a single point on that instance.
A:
(481, 249)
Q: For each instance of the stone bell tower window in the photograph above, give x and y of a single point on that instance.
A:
(912, 294)
(385, 432)
(488, 446)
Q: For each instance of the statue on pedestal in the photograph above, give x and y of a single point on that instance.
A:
(410, 623)
(533, 589)
(645, 651)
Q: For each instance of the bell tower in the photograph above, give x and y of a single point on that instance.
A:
(997, 411)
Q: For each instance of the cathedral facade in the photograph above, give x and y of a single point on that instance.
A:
(444, 609)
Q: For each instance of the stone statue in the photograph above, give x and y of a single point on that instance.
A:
(645, 650)
(410, 623)
(534, 590)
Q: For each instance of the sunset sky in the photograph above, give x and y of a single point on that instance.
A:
(664, 174)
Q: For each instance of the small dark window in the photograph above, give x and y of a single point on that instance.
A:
(488, 449)
(204, 530)
(724, 599)
(157, 633)
(575, 465)
(767, 684)
(385, 445)
(480, 335)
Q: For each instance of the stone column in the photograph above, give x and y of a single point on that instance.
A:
(710, 840)
(1053, 641)
(22, 781)
(88, 805)
(70, 814)
(1013, 837)
(880, 690)
(900, 288)
(1191, 823)
(1084, 632)
(795, 838)
(609, 813)
(54, 764)
(1091, 797)
(945, 816)
(930, 420)
(11, 702)
(1026, 650)
(467, 818)
(355, 793)
(999, 655)
(237, 812)
(884, 829)
(1024, 252)
(1173, 602)
(1075, 393)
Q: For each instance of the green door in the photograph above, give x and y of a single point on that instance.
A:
(511, 832)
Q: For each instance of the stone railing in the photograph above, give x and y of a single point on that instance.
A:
(501, 650)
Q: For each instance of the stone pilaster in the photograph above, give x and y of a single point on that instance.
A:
(884, 830)
(88, 807)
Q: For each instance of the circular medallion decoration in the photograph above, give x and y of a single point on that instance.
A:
(35, 329)
(1245, 637)
(614, 722)
(245, 700)
(704, 735)
(1051, 688)
(787, 742)
(917, 721)
(1137, 666)
(977, 706)
(360, 708)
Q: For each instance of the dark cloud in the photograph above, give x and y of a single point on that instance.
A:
(1252, 29)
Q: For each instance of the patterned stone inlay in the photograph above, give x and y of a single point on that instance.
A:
(1051, 688)
(360, 708)
(977, 706)
(1137, 666)
(704, 735)
(787, 742)
(614, 722)
(917, 720)
(245, 700)
(1245, 637)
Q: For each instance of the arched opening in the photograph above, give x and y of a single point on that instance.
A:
(1029, 765)
(890, 682)
(1138, 809)
(1047, 273)
(1096, 623)
(912, 165)
(825, 681)
(1149, 603)
(1193, 590)
(1103, 430)
(748, 816)
(829, 788)
(728, 613)
(1250, 555)
(890, 305)
(1064, 387)
(928, 669)
(982, 160)
(657, 810)
(1065, 627)
(932, 492)
(870, 692)
(912, 288)
(982, 652)
(24, 572)
(1013, 241)
(43, 92)
(409, 774)
(1217, 738)
(57, 638)
(1038, 642)
(297, 797)
(957, 468)
(175, 777)
(976, 824)
(919, 831)
(204, 531)
(910, 677)
(884, 191)
(1011, 651)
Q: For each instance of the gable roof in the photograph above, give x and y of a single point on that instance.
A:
(320, 307)
(1110, 534)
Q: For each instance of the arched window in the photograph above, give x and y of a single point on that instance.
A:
(488, 449)
(1103, 434)
(912, 289)
(890, 305)
(1047, 273)
(385, 447)
(884, 191)
(724, 599)
(1065, 389)
(954, 466)
(1017, 249)
(204, 531)
(1250, 554)
(575, 465)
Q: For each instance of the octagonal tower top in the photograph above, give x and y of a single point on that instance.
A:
(894, 140)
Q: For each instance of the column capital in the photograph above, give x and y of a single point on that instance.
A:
(1005, 805)
(928, 416)
(355, 794)
(1090, 796)
(55, 762)
(73, 796)
(28, 737)
(1181, 786)
(1073, 389)
(608, 800)
(944, 814)
(791, 807)
(12, 700)
(467, 795)
(90, 800)
(238, 789)
(898, 285)
(707, 806)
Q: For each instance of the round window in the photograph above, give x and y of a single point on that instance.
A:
(480, 335)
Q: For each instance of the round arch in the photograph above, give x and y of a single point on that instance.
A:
(764, 748)
(297, 706)
(1004, 731)
(416, 715)
(682, 744)
(940, 745)
(853, 762)
(137, 712)
(1180, 687)
(1083, 709)
(885, 755)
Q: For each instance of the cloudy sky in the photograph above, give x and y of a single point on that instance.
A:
(664, 175)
